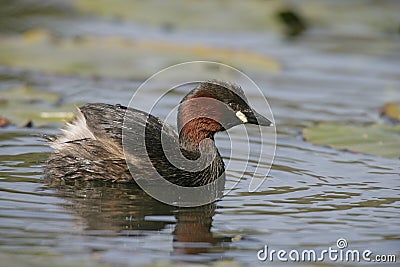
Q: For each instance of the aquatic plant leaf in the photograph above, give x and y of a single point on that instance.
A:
(24, 105)
(38, 50)
(377, 139)
(212, 15)
(253, 15)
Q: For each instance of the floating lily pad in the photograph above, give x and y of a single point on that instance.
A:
(212, 15)
(39, 50)
(391, 111)
(377, 139)
(24, 105)
(250, 15)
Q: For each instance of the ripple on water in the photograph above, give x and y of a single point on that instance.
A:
(312, 196)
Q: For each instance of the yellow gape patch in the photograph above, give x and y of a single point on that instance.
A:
(241, 116)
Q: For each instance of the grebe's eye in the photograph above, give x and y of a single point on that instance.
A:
(233, 106)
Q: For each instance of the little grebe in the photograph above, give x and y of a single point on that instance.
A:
(91, 147)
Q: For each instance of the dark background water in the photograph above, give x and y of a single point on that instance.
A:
(343, 68)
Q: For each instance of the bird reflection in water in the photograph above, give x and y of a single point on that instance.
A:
(127, 210)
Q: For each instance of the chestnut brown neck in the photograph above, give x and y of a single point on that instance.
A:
(197, 130)
(198, 118)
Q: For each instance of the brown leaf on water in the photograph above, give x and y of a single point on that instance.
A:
(391, 111)
(4, 122)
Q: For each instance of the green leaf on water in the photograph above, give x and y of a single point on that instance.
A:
(39, 50)
(210, 15)
(377, 139)
(21, 105)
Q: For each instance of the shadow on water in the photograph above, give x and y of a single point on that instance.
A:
(126, 210)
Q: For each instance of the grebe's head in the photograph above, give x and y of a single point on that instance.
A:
(215, 106)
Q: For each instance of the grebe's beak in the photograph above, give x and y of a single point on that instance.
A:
(253, 117)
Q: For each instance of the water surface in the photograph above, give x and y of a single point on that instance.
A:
(311, 197)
